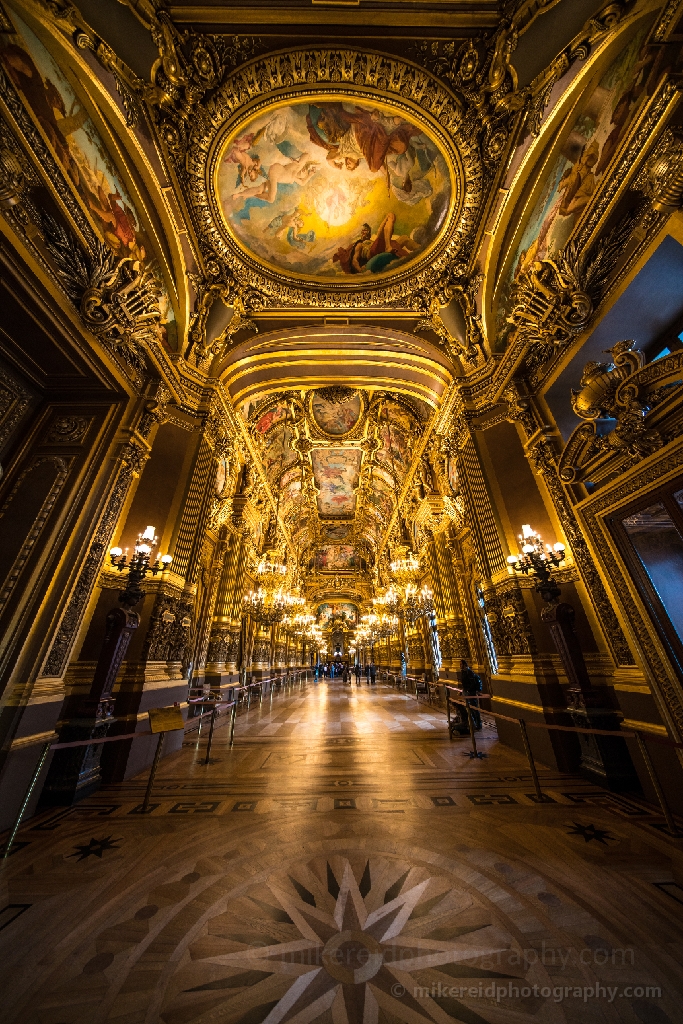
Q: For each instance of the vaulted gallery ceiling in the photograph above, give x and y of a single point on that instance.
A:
(330, 223)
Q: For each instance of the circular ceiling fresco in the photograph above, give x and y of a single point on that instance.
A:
(334, 189)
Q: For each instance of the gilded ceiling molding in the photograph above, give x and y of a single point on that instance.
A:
(362, 356)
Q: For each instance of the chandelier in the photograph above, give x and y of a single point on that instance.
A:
(408, 601)
(389, 602)
(386, 626)
(271, 571)
(269, 602)
(406, 568)
(417, 604)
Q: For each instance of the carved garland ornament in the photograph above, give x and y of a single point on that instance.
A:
(298, 75)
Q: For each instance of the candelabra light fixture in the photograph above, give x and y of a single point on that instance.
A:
(409, 601)
(138, 566)
(269, 602)
(405, 568)
(417, 604)
(538, 560)
(389, 602)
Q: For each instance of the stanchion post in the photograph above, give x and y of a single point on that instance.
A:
(27, 797)
(470, 719)
(448, 713)
(530, 757)
(208, 745)
(153, 771)
(668, 816)
(232, 723)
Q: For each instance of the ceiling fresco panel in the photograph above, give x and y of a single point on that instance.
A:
(336, 472)
(334, 188)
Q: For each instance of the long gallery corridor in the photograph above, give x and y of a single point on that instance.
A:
(343, 862)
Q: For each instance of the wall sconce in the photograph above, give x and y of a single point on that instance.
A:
(138, 565)
(538, 561)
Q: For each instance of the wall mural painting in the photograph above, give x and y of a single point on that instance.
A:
(275, 415)
(277, 453)
(394, 452)
(423, 409)
(577, 171)
(453, 477)
(290, 486)
(222, 476)
(79, 149)
(396, 429)
(334, 188)
(249, 407)
(337, 609)
(336, 472)
(336, 418)
(382, 494)
(337, 556)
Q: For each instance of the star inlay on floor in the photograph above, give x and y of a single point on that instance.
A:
(344, 863)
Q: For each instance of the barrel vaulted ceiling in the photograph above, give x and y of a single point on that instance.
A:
(338, 205)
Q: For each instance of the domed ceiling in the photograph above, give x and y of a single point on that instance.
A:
(334, 188)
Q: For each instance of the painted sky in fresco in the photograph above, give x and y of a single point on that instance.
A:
(336, 472)
(297, 183)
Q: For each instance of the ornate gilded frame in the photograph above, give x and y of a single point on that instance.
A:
(530, 178)
(317, 433)
(291, 76)
(593, 516)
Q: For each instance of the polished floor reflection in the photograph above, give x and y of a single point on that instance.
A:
(344, 862)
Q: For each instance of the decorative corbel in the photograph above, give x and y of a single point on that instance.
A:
(242, 300)
(554, 299)
(662, 177)
(615, 401)
(454, 283)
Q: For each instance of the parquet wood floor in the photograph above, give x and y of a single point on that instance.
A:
(344, 863)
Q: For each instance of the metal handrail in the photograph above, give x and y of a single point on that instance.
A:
(466, 701)
(189, 726)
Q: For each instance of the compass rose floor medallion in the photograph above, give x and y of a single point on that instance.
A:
(357, 939)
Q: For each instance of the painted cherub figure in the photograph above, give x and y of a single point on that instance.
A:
(294, 172)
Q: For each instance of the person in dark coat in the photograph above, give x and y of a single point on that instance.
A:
(470, 684)
(373, 673)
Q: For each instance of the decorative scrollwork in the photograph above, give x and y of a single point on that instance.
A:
(662, 177)
(553, 301)
(619, 400)
(117, 297)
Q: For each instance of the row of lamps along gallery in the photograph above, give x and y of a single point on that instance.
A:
(278, 597)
